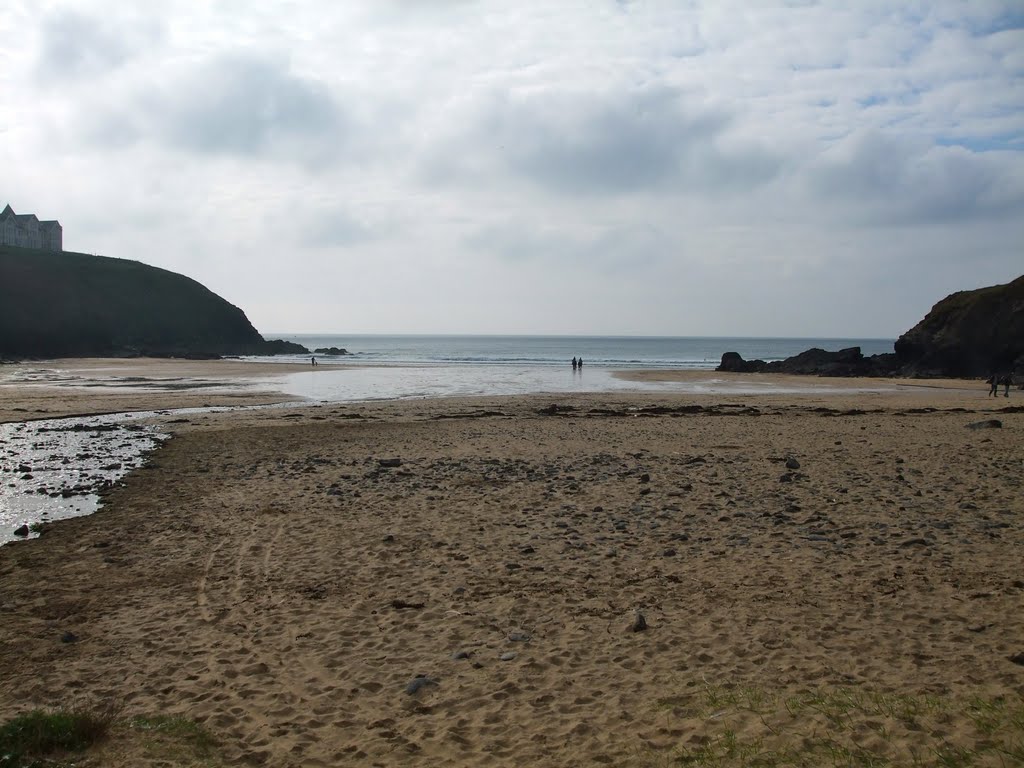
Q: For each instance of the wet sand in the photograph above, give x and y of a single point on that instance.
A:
(284, 577)
(81, 386)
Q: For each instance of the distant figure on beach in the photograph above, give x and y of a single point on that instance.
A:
(574, 363)
(993, 382)
(312, 361)
(580, 363)
(1006, 381)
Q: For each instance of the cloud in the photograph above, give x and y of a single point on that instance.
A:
(607, 249)
(239, 104)
(75, 46)
(892, 179)
(332, 228)
(649, 139)
(693, 167)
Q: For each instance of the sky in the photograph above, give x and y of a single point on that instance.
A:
(677, 168)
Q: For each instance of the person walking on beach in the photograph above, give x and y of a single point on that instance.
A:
(580, 363)
(312, 361)
(993, 382)
(1006, 381)
(574, 363)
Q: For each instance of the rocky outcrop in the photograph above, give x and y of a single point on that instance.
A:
(845, 362)
(815, 362)
(69, 304)
(733, 362)
(968, 334)
(333, 351)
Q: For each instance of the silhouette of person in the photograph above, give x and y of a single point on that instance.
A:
(574, 363)
(580, 363)
(1007, 379)
(312, 361)
(993, 382)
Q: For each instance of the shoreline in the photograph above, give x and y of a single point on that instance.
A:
(270, 577)
(105, 386)
(88, 387)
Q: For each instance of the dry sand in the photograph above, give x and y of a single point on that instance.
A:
(269, 577)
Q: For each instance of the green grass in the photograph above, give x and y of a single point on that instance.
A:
(29, 739)
(844, 727)
(62, 738)
(175, 739)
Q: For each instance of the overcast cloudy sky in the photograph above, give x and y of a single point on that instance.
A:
(452, 166)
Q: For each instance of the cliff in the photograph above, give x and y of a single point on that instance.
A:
(967, 334)
(69, 304)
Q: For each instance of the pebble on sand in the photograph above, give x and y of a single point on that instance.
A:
(639, 623)
(419, 682)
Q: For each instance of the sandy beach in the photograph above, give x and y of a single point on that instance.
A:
(460, 582)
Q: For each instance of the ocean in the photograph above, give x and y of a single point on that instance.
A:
(617, 352)
(403, 367)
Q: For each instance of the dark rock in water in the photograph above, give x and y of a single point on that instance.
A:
(336, 351)
(792, 463)
(732, 362)
(639, 623)
(418, 683)
(986, 424)
(22, 531)
(279, 347)
(815, 362)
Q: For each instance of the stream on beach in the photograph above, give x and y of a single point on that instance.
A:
(53, 469)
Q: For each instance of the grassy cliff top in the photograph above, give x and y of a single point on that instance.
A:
(58, 304)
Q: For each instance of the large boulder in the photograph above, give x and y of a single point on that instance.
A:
(968, 334)
(733, 362)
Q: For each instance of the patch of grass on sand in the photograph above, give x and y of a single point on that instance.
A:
(64, 738)
(175, 739)
(727, 726)
(40, 737)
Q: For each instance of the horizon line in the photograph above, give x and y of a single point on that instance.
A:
(268, 334)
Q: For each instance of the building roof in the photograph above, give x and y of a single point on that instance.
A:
(23, 218)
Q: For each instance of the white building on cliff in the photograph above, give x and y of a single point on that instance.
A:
(27, 231)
